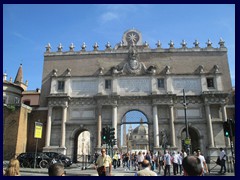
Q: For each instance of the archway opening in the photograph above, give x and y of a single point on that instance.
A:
(82, 146)
(193, 135)
(134, 132)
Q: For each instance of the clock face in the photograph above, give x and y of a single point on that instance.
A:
(132, 37)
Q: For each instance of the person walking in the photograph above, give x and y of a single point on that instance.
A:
(203, 162)
(175, 162)
(180, 158)
(223, 158)
(115, 160)
(167, 163)
(160, 160)
(140, 159)
(146, 171)
(104, 164)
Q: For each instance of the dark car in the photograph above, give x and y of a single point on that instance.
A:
(27, 159)
(58, 156)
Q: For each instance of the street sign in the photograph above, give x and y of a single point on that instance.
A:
(188, 141)
(38, 130)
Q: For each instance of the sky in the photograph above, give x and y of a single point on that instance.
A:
(27, 29)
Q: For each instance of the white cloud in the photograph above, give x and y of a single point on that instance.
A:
(108, 16)
(22, 37)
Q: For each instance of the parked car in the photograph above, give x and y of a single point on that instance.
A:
(60, 157)
(27, 159)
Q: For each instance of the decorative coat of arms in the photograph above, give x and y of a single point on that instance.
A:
(133, 66)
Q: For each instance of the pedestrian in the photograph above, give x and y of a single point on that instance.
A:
(140, 159)
(104, 164)
(56, 169)
(223, 158)
(119, 160)
(135, 161)
(180, 158)
(175, 162)
(184, 153)
(127, 161)
(167, 163)
(192, 166)
(115, 159)
(203, 161)
(161, 164)
(13, 168)
(146, 171)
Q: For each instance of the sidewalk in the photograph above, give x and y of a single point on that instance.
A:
(76, 170)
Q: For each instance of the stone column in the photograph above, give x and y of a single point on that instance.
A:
(172, 127)
(99, 126)
(63, 129)
(49, 126)
(224, 112)
(114, 119)
(209, 126)
(155, 126)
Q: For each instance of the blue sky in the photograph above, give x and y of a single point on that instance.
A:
(28, 28)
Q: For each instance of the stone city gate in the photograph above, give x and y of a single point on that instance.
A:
(85, 90)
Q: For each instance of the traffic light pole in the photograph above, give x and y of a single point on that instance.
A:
(231, 142)
(186, 122)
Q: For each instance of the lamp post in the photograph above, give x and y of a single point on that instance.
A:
(186, 123)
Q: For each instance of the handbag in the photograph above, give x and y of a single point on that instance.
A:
(218, 162)
(101, 171)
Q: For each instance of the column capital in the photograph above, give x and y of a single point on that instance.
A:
(114, 105)
(64, 106)
(99, 106)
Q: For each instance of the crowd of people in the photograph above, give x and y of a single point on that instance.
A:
(145, 164)
(179, 162)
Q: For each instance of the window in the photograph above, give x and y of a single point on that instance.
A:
(17, 100)
(61, 85)
(161, 83)
(210, 82)
(108, 84)
(27, 102)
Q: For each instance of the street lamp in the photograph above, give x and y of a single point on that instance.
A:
(186, 124)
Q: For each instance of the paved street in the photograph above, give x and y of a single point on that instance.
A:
(76, 170)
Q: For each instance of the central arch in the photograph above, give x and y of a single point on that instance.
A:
(134, 131)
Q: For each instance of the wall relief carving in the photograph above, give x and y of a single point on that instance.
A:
(133, 66)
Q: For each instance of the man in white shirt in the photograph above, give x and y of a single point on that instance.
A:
(203, 162)
(223, 158)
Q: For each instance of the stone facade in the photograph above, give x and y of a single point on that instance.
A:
(87, 90)
(15, 133)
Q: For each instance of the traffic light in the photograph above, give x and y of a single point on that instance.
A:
(226, 129)
(111, 134)
(231, 127)
(104, 135)
(113, 142)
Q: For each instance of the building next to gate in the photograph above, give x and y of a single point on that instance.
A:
(15, 116)
(88, 90)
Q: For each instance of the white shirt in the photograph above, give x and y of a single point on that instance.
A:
(222, 155)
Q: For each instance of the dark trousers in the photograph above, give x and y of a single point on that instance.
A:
(167, 170)
(223, 166)
(114, 163)
(175, 168)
